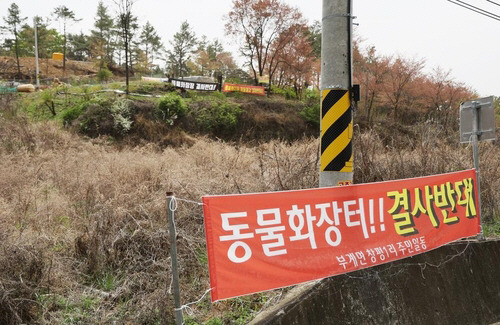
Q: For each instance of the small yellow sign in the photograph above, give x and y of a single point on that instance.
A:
(57, 56)
(264, 79)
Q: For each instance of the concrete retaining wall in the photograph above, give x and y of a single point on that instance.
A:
(455, 284)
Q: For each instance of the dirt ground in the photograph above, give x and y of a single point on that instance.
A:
(49, 68)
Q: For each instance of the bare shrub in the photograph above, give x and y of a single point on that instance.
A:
(433, 152)
(20, 277)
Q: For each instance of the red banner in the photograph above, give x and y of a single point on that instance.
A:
(254, 90)
(258, 242)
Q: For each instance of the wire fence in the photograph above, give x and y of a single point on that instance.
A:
(173, 206)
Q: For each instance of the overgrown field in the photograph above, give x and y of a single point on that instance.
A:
(83, 226)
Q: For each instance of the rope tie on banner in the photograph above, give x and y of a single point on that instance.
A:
(173, 204)
(186, 306)
(190, 201)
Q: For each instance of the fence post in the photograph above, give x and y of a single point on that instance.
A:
(173, 256)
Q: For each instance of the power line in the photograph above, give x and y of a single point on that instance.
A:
(478, 10)
(493, 2)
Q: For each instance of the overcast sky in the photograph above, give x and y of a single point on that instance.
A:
(443, 34)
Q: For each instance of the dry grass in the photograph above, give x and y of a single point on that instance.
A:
(94, 217)
(83, 224)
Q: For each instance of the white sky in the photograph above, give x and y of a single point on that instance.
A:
(443, 34)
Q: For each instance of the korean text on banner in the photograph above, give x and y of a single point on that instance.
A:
(254, 90)
(258, 242)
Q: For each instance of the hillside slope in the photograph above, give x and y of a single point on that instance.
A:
(48, 68)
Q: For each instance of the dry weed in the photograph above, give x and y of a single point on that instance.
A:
(432, 153)
(101, 214)
(83, 224)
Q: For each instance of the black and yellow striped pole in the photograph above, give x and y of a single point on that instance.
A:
(336, 84)
(336, 131)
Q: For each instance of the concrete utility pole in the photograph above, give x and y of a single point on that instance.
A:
(336, 84)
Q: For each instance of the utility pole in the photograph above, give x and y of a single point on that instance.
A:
(37, 72)
(336, 86)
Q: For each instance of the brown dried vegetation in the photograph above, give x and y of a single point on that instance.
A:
(84, 224)
(83, 230)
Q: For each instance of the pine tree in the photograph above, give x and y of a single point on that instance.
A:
(102, 36)
(14, 22)
(151, 43)
(79, 47)
(183, 44)
(65, 15)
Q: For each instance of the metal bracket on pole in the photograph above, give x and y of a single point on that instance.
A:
(173, 256)
(339, 15)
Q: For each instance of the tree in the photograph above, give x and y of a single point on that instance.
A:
(224, 64)
(398, 87)
(183, 45)
(296, 62)
(151, 42)
(211, 59)
(49, 40)
(281, 48)
(126, 22)
(136, 56)
(102, 36)
(314, 34)
(14, 21)
(79, 47)
(402, 71)
(443, 96)
(65, 15)
(265, 26)
(372, 72)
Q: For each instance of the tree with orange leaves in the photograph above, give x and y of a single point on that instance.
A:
(296, 62)
(264, 27)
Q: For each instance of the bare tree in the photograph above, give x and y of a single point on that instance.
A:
(125, 20)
